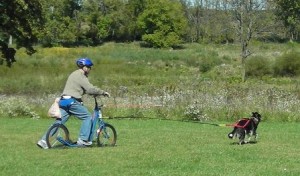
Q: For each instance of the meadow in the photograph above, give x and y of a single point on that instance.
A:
(161, 100)
(197, 82)
(152, 147)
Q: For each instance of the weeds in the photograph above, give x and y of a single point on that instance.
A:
(16, 107)
(151, 83)
(288, 64)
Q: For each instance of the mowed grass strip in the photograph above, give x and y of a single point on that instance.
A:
(152, 147)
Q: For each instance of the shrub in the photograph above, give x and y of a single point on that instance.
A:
(207, 63)
(258, 67)
(227, 72)
(16, 107)
(288, 64)
(160, 40)
(195, 113)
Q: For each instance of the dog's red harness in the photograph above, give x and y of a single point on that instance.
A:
(242, 123)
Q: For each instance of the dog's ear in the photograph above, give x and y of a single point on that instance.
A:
(257, 115)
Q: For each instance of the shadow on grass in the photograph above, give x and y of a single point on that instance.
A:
(250, 142)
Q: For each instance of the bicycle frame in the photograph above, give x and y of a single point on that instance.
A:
(96, 117)
(105, 133)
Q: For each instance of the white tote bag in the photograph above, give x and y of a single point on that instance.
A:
(54, 110)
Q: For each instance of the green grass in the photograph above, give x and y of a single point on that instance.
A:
(152, 147)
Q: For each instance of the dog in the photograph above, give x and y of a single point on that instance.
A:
(246, 127)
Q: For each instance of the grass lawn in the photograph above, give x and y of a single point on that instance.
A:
(152, 147)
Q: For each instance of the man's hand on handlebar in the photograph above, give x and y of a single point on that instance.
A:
(106, 94)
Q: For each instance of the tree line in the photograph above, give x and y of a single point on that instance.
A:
(156, 23)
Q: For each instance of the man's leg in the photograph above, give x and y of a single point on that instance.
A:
(83, 114)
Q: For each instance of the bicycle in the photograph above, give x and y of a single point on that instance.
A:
(106, 135)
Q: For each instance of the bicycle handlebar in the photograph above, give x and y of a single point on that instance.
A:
(98, 95)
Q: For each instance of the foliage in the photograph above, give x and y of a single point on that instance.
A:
(195, 113)
(77, 22)
(247, 25)
(258, 67)
(62, 23)
(288, 64)
(288, 11)
(15, 107)
(133, 10)
(208, 62)
(22, 20)
(162, 23)
(159, 83)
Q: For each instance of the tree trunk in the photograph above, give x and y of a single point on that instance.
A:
(243, 71)
(10, 41)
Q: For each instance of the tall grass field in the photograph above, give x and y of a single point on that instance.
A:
(197, 82)
(152, 147)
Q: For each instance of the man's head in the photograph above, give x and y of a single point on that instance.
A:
(85, 64)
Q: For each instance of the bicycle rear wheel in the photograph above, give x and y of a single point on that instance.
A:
(56, 132)
(107, 136)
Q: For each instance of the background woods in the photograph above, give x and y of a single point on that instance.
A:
(161, 23)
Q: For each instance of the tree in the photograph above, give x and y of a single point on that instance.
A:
(133, 9)
(194, 15)
(60, 26)
(289, 12)
(20, 19)
(115, 19)
(162, 23)
(247, 14)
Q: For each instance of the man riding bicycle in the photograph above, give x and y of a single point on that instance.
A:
(71, 101)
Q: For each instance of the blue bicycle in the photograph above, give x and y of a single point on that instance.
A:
(105, 134)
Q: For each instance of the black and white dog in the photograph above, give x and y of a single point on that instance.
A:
(246, 126)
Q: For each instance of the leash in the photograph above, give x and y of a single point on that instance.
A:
(189, 121)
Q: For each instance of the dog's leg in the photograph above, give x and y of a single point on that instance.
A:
(241, 135)
(242, 141)
(255, 137)
(248, 138)
(249, 135)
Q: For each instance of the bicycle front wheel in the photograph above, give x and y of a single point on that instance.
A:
(55, 133)
(107, 136)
